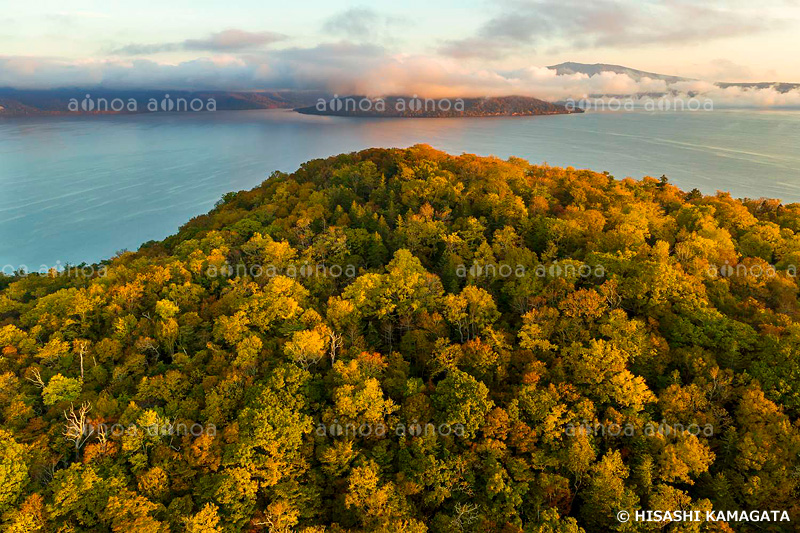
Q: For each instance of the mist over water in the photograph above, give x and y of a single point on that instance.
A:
(76, 189)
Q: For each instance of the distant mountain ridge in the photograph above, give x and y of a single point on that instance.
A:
(22, 102)
(598, 68)
(571, 67)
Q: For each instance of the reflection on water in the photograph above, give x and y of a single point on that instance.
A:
(80, 188)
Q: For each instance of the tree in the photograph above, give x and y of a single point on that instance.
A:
(606, 494)
(405, 289)
(601, 369)
(470, 312)
(77, 428)
(13, 470)
(461, 399)
(80, 497)
(308, 347)
(552, 522)
(378, 503)
(81, 347)
(61, 389)
(204, 521)
(234, 491)
(358, 397)
(128, 511)
(272, 427)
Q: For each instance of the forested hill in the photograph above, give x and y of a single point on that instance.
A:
(418, 107)
(407, 341)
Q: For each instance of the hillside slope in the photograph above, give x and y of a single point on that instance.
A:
(404, 340)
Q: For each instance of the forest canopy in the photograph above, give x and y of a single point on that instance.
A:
(408, 341)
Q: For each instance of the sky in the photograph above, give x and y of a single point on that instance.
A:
(432, 47)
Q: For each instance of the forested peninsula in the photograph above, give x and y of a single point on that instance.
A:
(402, 340)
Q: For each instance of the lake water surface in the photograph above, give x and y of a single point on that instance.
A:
(76, 189)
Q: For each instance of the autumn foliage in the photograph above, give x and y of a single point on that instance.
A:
(366, 291)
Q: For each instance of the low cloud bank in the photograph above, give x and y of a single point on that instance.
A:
(347, 68)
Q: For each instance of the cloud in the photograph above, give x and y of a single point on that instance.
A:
(724, 70)
(146, 49)
(332, 65)
(354, 23)
(361, 24)
(474, 47)
(72, 16)
(577, 25)
(349, 68)
(232, 40)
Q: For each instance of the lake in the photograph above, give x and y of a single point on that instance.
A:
(80, 188)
